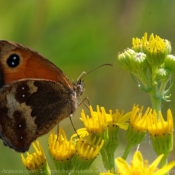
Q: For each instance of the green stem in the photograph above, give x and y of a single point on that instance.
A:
(48, 171)
(157, 95)
(155, 100)
(154, 95)
(127, 151)
(162, 88)
(44, 169)
(108, 159)
(154, 73)
(164, 161)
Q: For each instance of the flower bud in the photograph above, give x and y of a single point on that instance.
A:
(125, 57)
(139, 61)
(169, 63)
(168, 46)
(162, 74)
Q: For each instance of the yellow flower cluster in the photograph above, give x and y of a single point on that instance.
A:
(80, 151)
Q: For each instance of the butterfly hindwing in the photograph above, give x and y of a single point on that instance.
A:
(30, 108)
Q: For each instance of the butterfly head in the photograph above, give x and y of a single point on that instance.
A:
(78, 87)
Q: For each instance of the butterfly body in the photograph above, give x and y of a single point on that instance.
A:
(35, 95)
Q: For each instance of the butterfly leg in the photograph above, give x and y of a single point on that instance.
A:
(70, 117)
(83, 102)
(57, 130)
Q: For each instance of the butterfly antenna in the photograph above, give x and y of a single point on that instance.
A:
(83, 74)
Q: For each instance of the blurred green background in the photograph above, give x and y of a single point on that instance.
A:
(79, 35)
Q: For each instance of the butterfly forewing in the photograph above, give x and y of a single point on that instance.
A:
(19, 62)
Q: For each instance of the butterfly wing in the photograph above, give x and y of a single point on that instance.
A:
(31, 108)
(18, 62)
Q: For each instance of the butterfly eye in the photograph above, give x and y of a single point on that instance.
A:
(13, 60)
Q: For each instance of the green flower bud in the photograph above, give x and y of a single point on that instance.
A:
(169, 63)
(162, 74)
(139, 61)
(168, 46)
(125, 57)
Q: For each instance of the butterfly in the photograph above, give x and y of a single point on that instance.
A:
(35, 95)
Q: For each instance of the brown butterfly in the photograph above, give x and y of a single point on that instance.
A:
(35, 95)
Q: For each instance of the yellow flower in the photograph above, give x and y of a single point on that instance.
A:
(105, 126)
(82, 133)
(97, 123)
(118, 119)
(59, 147)
(87, 149)
(61, 151)
(140, 167)
(100, 120)
(155, 48)
(161, 132)
(36, 161)
(137, 119)
(137, 128)
(139, 44)
(115, 121)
